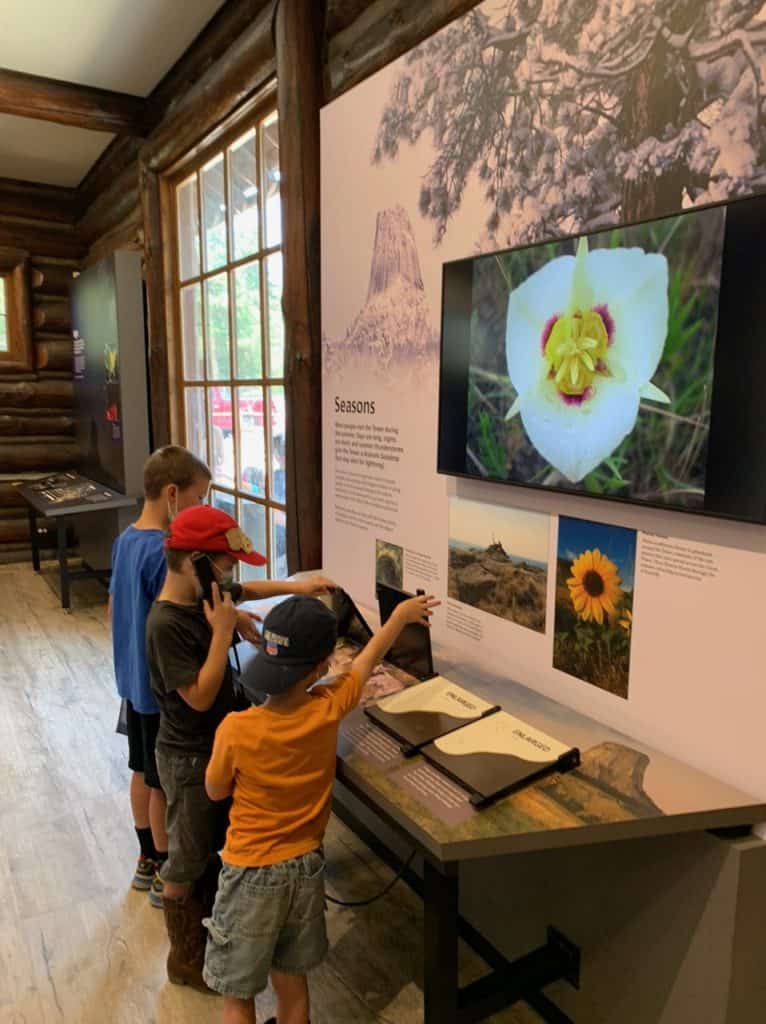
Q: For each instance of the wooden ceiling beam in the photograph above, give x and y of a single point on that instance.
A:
(119, 154)
(248, 65)
(225, 27)
(80, 106)
(368, 36)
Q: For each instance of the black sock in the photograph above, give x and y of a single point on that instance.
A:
(146, 843)
(160, 856)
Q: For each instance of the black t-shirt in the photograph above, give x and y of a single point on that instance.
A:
(177, 644)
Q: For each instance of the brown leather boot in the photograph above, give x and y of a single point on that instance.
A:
(183, 919)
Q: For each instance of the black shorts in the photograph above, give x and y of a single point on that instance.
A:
(142, 739)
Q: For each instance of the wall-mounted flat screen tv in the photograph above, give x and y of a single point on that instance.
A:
(628, 363)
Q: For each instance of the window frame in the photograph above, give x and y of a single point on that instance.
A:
(14, 273)
(250, 117)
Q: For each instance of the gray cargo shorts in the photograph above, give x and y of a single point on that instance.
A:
(266, 917)
(196, 826)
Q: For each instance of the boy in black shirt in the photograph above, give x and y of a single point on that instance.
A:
(187, 647)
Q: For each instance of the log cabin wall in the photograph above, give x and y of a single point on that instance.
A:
(120, 200)
(360, 38)
(36, 424)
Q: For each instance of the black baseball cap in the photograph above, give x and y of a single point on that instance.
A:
(297, 634)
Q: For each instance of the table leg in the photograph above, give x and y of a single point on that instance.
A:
(440, 969)
(33, 538)
(63, 567)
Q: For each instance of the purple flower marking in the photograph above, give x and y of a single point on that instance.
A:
(549, 325)
(606, 316)
(576, 399)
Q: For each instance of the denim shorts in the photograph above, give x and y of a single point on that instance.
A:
(263, 918)
(196, 826)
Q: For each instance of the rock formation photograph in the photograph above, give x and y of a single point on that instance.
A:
(498, 561)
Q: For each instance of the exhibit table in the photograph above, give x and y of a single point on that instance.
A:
(62, 497)
(622, 790)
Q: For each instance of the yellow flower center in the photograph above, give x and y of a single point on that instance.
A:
(575, 350)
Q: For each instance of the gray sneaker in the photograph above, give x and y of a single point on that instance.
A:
(155, 891)
(145, 870)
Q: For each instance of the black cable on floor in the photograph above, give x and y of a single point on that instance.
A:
(373, 899)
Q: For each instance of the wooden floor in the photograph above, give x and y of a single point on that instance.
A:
(76, 943)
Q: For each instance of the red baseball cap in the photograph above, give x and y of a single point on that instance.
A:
(212, 531)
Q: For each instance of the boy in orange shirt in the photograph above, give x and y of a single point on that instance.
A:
(277, 761)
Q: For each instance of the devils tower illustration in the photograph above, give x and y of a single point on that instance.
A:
(394, 325)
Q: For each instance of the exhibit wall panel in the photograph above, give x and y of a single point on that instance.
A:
(494, 134)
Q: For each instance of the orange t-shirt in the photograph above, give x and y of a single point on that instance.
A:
(282, 764)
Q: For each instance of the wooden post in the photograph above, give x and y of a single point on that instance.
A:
(299, 45)
(159, 382)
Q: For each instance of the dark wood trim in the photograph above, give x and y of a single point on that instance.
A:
(44, 240)
(156, 298)
(53, 354)
(210, 46)
(342, 13)
(34, 394)
(111, 206)
(226, 25)
(119, 155)
(299, 34)
(48, 99)
(52, 316)
(51, 279)
(41, 454)
(381, 33)
(39, 202)
(14, 267)
(243, 118)
(10, 259)
(127, 234)
(246, 67)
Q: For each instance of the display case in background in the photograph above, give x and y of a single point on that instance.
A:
(110, 393)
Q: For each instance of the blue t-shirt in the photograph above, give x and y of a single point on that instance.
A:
(138, 572)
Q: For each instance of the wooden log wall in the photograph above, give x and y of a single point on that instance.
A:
(228, 61)
(36, 422)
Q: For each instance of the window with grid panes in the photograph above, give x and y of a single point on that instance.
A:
(229, 304)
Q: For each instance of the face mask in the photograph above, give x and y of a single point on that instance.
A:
(225, 579)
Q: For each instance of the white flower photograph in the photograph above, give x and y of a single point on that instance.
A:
(592, 360)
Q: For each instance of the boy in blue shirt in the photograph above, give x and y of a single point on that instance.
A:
(174, 479)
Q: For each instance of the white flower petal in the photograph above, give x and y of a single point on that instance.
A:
(581, 296)
(633, 285)
(543, 295)
(653, 393)
(575, 439)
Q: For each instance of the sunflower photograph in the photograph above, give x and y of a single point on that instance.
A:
(595, 579)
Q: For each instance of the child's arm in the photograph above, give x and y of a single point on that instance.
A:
(222, 617)
(349, 691)
(417, 609)
(258, 589)
(219, 776)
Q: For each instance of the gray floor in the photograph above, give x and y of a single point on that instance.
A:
(76, 943)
